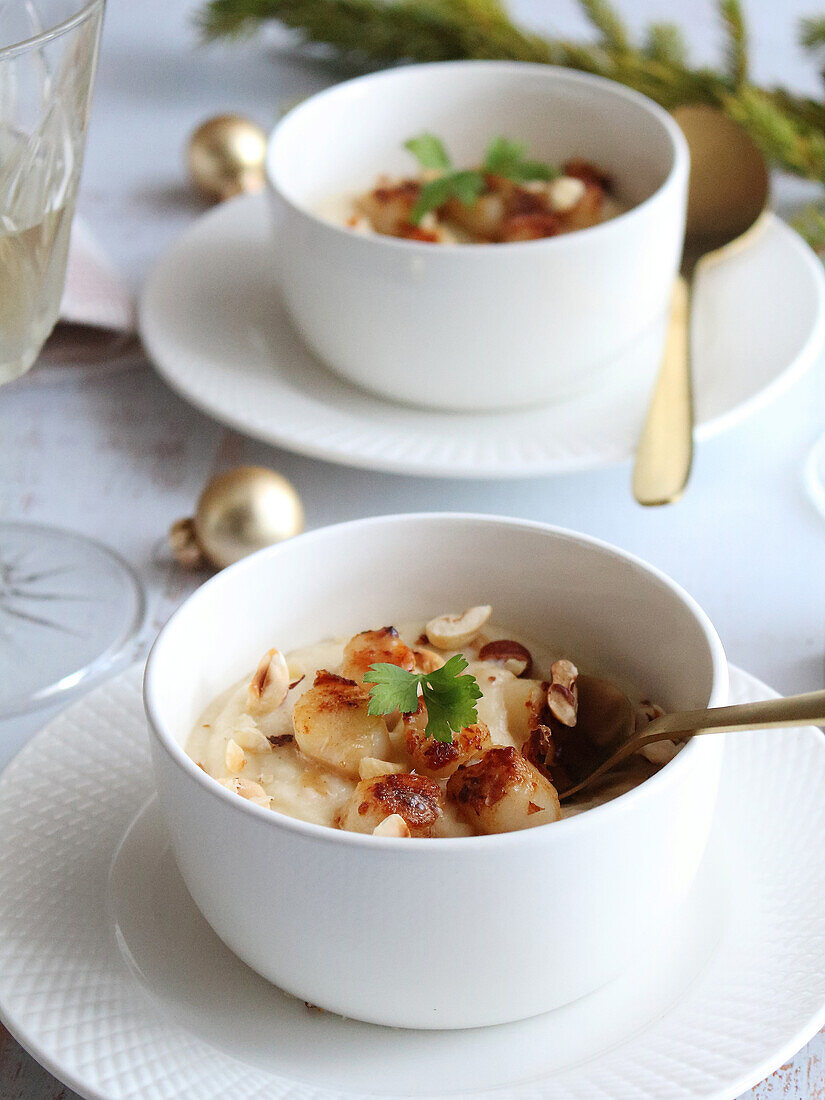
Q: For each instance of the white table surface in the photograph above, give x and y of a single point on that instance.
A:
(120, 457)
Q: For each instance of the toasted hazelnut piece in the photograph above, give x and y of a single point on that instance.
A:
(427, 660)
(562, 697)
(371, 766)
(441, 758)
(565, 192)
(394, 825)
(645, 713)
(375, 647)
(247, 788)
(455, 631)
(234, 756)
(417, 799)
(333, 726)
(660, 752)
(587, 172)
(270, 683)
(512, 655)
(503, 793)
(246, 733)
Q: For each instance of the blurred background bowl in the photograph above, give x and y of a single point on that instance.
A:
(476, 326)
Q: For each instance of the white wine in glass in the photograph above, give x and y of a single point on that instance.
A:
(68, 606)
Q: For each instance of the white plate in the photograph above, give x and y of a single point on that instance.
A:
(112, 979)
(212, 322)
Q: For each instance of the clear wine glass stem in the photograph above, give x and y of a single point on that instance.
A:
(68, 606)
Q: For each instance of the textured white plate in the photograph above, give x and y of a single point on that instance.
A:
(212, 322)
(112, 979)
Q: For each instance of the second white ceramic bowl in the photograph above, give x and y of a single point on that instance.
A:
(476, 326)
(438, 933)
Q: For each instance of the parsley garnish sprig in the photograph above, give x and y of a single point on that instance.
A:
(448, 695)
(502, 158)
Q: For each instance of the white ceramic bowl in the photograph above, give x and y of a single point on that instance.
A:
(476, 326)
(438, 933)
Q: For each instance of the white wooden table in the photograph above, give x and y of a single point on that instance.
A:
(120, 457)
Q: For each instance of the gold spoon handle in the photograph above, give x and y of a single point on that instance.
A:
(808, 709)
(793, 710)
(665, 452)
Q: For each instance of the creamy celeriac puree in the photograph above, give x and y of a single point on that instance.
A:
(250, 747)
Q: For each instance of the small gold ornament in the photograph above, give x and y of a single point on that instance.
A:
(226, 156)
(238, 512)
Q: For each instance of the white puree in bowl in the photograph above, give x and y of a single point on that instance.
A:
(300, 787)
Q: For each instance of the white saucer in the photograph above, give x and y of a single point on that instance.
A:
(112, 979)
(212, 323)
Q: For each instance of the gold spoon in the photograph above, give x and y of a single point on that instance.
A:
(793, 710)
(727, 194)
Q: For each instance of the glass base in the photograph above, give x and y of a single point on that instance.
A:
(68, 609)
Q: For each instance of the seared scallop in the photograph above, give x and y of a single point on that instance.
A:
(389, 206)
(503, 793)
(440, 759)
(415, 798)
(333, 727)
(375, 647)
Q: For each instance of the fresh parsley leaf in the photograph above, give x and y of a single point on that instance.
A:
(502, 154)
(450, 699)
(502, 158)
(506, 158)
(532, 170)
(393, 689)
(465, 186)
(448, 695)
(429, 151)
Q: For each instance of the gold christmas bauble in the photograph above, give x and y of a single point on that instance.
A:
(238, 512)
(226, 156)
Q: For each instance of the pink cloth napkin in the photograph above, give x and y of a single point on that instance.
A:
(97, 328)
(94, 293)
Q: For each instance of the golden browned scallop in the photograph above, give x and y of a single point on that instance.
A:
(389, 206)
(440, 759)
(503, 793)
(375, 647)
(530, 227)
(586, 212)
(481, 219)
(333, 727)
(414, 797)
(524, 701)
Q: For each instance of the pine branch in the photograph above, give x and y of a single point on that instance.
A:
(664, 43)
(812, 32)
(606, 20)
(736, 53)
(810, 223)
(797, 148)
(437, 30)
(789, 128)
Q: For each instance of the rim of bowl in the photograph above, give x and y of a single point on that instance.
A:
(678, 143)
(588, 819)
